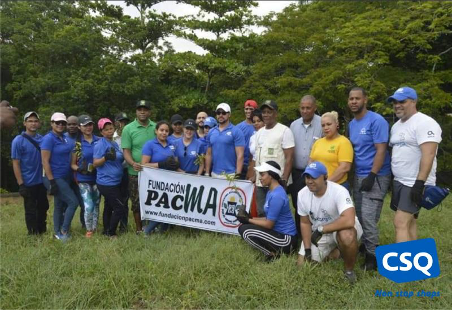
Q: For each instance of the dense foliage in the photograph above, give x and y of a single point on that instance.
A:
(89, 57)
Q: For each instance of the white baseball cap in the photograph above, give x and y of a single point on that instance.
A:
(224, 106)
(58, 116)
(269, 166)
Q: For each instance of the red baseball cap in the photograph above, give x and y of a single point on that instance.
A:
(251, 103)
(102, 122)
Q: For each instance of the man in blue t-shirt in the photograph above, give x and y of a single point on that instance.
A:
(27, 166)
(369, 134)
(226, 145)
(248, 130)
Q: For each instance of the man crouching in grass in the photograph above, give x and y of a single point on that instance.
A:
(329, 226)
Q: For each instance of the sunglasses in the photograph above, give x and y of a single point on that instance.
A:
(60, 123)
(402, 102)
(221, 113)
(185, 151)
(206, 127)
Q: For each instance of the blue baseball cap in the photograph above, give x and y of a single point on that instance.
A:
(403, 93)
(210, 121)
(315, 169)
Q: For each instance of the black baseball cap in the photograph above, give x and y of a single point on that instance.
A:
(176, 118)
(143, 103)
(121, 117)
(270, 104)
(190, 123)
(85, 120)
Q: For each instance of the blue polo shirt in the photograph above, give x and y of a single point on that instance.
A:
(248, 131)
(157, 151)
(110, 173)
(204, 142)
(87, 156)
(364, 133)
(277, 209)
(187, 154)
(69, 137)
(60, 157)
(172, 139)
(223, 144)
(29, 158)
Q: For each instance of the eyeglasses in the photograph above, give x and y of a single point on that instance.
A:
(221, 112)
(185, 151)
(60, 123)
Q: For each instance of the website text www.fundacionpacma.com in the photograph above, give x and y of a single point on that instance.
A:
(180, 217)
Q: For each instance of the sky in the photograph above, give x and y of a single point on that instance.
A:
(180, 9)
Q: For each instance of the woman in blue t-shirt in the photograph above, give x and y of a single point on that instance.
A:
(107, 159)
(159, 153)
(188, 150)
(82, 164)
(56, 159)
(276, 232)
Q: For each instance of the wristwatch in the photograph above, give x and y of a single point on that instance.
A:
(320, 229)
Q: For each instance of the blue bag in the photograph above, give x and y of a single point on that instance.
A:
(433, 196)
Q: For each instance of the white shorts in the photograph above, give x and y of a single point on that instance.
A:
(328, 243)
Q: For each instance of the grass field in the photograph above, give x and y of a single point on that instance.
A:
(187, 268)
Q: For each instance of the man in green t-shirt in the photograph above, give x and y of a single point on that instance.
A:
(134, 136)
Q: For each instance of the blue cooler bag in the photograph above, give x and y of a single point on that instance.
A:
(433, 196)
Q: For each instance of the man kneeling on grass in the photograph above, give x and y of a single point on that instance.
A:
(329, 226)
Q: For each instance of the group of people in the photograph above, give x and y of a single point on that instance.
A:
(310, 160)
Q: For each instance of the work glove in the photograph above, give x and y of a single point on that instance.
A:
(53, 188)
(163, 165)
(111, 154)
(24, 191)
(307, 255)
(368, 182)
(243, 216)
(417, 191)
(83, 168)
(172, 164)
(315, 237)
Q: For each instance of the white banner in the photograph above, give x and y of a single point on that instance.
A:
(193, 201)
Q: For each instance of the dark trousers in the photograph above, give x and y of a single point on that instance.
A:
(125, 194)
(81, 203)
(114, 207)
(268, 241)
(294, 188)
(36, 206)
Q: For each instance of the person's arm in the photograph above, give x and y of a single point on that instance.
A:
(17, 171)
(306, 231)
(145, 161)
(345, 221)
(74, 162)
(97, 162)
(262, 222)
(45, 157)
(251, 174)
(201, 167)
(428, 153)
(128, 157)
(288, 154)
(239, 152)
(344, 168)
(379, 157)
(208, 160)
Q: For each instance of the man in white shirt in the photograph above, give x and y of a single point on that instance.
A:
(273, 142)
(414, 140)
(328, 220)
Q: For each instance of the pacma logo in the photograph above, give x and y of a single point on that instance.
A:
(230, 201)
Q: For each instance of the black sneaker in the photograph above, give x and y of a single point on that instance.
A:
(350, 276)
(362, 249)
(370, 263)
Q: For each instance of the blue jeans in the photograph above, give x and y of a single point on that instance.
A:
(153, 224)
(65, 204)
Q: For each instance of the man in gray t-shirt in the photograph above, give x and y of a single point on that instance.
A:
(306, 130)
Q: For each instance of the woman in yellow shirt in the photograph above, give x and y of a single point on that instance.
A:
(333, 150)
